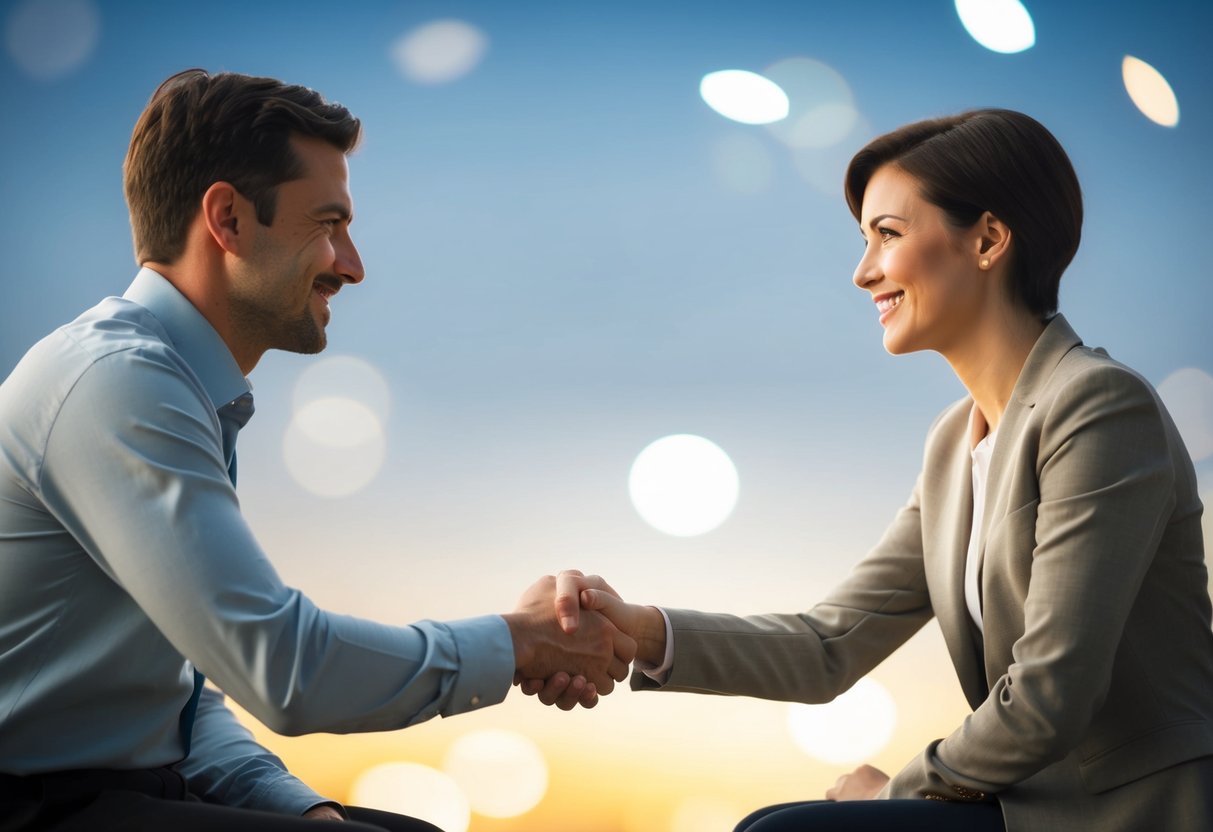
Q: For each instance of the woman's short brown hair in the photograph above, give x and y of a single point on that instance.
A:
(992, 160)
(199, 129)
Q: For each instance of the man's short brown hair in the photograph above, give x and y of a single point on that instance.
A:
(199, 129)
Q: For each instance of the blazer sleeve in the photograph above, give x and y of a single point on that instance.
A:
(1105, 477)
(813, 656)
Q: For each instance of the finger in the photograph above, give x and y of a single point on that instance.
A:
(531, 686)
(604, 602)
(598, 582)
(572, 694)
(569, 584)
(555, 686)
(589, 696)
(618, 670)
(625, 647)
(605, 685)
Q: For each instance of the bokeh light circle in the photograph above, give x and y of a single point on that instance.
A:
(821, 106)
(825, 167)
(502, 772)
(334, 446)
(344, 376)
(683, 485)
(1003, 26)
(1188, 395)
(48, 39)
(439, 52)
(851, 729)
(416, 791)
(744, 96)
(1150, 91)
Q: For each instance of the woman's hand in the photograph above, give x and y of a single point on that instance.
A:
(864, 783)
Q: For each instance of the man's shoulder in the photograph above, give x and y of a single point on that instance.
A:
(116, 339)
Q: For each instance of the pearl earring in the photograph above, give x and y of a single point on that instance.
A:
(985, 262)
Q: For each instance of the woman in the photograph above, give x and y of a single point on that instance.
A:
(1054, 530)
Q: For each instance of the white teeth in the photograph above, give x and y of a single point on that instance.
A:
(885, 304)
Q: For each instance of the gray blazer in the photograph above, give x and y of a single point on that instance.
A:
(1092, 693)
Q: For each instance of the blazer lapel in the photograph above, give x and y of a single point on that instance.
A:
(954, 500)
(1057, 339)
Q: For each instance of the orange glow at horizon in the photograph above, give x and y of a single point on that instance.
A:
(644, 761)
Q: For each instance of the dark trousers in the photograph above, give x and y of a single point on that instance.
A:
(153, 801)
(876, 816)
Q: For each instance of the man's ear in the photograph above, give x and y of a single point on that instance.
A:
(994, 240)
(226, 214)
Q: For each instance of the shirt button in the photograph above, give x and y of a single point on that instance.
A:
(475, 700)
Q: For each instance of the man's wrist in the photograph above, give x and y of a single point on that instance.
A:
(524, 647)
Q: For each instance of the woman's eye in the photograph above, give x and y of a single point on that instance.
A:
(886, 233)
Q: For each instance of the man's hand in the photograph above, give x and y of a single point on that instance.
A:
(577, 593)
(323, 811)
(864, 783)
(575, 666)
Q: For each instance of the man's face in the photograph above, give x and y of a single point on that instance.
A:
(280, 290)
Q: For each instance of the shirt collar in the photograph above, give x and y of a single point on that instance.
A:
(191, 335)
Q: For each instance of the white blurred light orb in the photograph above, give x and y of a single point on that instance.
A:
(439, 52)
(502, 772)
(414, 790)
(345, 376)
(999, 25)
(334, 446)
(744, 96)
(49, 39)
(1150, 92)
(851, 729)
(1188, 395)
(821, 109)
(683, 485)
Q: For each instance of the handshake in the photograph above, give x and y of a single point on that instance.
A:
(574, 638)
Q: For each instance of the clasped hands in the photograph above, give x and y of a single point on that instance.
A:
(574, 638)
(590, 636)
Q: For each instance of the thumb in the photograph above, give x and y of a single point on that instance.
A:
(601, 601)
(568, 583)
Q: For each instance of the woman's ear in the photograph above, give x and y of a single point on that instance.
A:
(225, 216)
(993, 241)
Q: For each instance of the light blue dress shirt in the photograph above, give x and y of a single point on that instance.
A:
(125, 563)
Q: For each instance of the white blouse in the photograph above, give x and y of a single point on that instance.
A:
(981, 470)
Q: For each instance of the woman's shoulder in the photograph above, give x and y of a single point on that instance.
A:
(1091, 372)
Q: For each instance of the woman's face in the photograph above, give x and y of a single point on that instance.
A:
(921, 272)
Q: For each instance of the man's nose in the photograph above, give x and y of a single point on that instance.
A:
(349, 264)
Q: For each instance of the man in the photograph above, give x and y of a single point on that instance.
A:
(126, 569)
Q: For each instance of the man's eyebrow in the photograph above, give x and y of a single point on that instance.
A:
(337, 208)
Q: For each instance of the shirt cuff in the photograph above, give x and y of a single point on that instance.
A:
(486, 663)
(288, 795)
(661, 673)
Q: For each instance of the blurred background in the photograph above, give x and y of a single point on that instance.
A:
(580, 243)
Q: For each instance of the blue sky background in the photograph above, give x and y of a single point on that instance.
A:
(556, 276)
